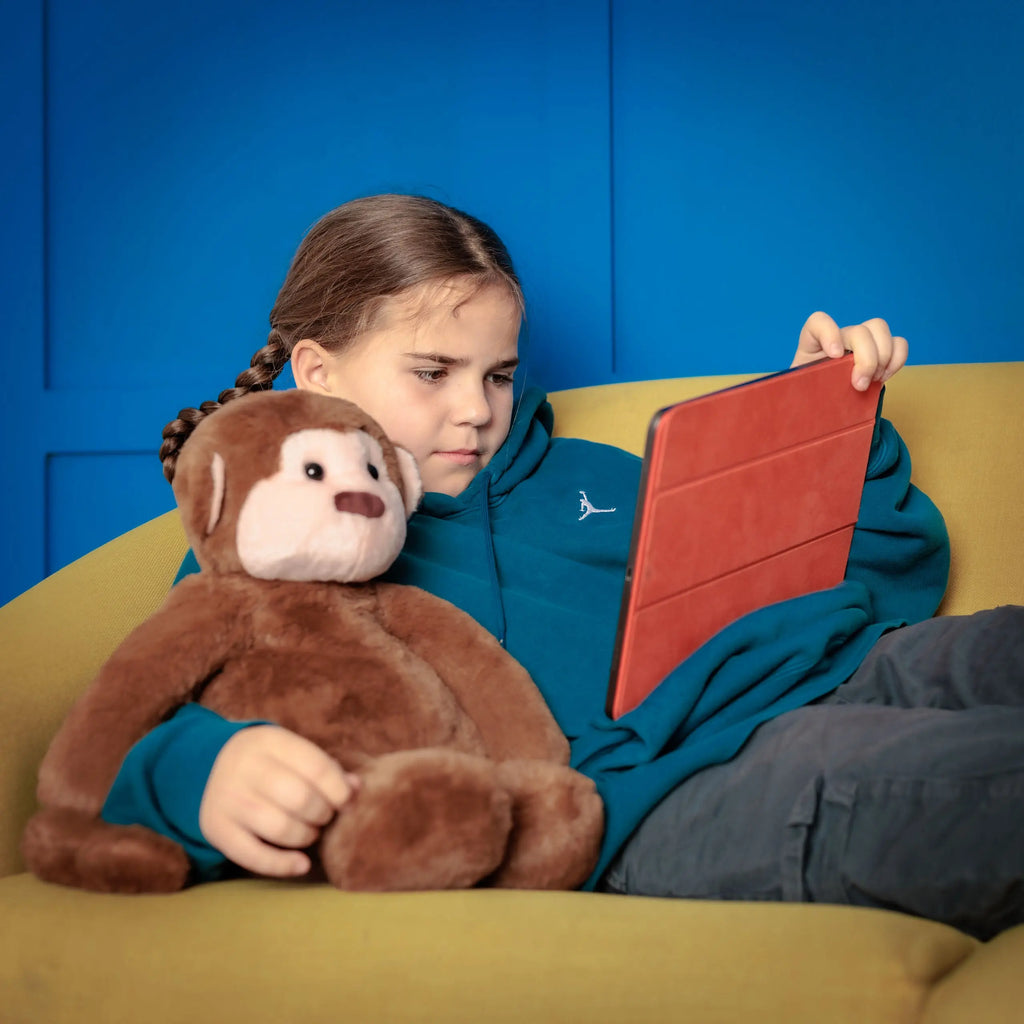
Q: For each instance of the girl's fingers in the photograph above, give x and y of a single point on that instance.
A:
(892, 349)
(901, 351)
(270, 788)
(819, 336)
(252, 854)
(862, 343)
(305, 780)
(274, 825)
(877, 352)
(297, 797)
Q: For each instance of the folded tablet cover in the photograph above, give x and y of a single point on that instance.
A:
(749, 496)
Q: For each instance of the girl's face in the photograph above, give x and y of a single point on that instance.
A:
(436, 373)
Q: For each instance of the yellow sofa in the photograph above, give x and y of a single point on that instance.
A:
(261, 951)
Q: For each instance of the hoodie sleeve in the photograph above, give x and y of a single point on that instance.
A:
(162, 780)
(900, 548)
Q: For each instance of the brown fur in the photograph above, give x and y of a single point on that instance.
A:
(464, 776)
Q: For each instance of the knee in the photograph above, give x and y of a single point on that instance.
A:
(1005, 619)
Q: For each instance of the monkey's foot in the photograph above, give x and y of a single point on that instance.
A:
(425, 819)
(558, 822)
(71, 848)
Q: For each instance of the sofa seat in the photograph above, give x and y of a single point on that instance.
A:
(261, 951)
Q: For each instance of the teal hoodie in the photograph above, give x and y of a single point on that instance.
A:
(535, 549)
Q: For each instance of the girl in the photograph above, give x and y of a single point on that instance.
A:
(808, 752)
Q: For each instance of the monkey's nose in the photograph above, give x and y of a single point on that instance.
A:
(359, 502)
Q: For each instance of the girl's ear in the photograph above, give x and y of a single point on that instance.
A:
(309, 365)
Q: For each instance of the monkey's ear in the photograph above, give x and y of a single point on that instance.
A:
(412, 486)
(217, 485)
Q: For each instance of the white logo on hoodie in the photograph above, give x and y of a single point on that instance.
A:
(587, 508)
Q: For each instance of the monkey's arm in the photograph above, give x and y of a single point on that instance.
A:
(157, 668)
(492, 687)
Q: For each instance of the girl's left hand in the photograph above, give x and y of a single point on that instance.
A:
(877, 354)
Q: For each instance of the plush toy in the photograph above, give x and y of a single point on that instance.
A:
(293, 503)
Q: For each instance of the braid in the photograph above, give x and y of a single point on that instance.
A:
(264, 367)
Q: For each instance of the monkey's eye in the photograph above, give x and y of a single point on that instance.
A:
(372, 470)
(314, 470)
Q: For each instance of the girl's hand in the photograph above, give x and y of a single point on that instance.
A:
(271, 788)
(877, 355)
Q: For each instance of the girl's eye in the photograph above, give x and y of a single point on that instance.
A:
(372, 470)
(430, 376)
(314, 470)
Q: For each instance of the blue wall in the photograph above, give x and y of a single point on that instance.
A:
(776, 158)
(679, 188)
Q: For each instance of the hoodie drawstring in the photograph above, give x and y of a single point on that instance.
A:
(492, 564)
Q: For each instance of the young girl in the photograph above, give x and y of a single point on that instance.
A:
(819, 749)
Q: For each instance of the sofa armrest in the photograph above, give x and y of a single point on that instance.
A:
(54, 638)
(964, 426)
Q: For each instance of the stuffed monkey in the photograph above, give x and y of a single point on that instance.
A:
(293, 502)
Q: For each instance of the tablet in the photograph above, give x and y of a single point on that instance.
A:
(748, 496)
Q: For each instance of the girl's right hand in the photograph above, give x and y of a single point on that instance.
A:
(269, 794)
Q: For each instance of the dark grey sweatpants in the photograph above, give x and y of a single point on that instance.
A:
(903, 789)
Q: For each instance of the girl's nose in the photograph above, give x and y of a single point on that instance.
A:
(472, 405)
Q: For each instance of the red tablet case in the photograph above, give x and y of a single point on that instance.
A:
(748, 496)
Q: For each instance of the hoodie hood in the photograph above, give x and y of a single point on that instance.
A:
(518, 458)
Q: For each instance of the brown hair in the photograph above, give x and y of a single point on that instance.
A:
(351, 260)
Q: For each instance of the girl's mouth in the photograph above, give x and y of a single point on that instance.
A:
(461, 457)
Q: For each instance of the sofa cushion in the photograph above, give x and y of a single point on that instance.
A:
(263, 951)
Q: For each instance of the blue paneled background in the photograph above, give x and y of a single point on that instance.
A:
(680, 185)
